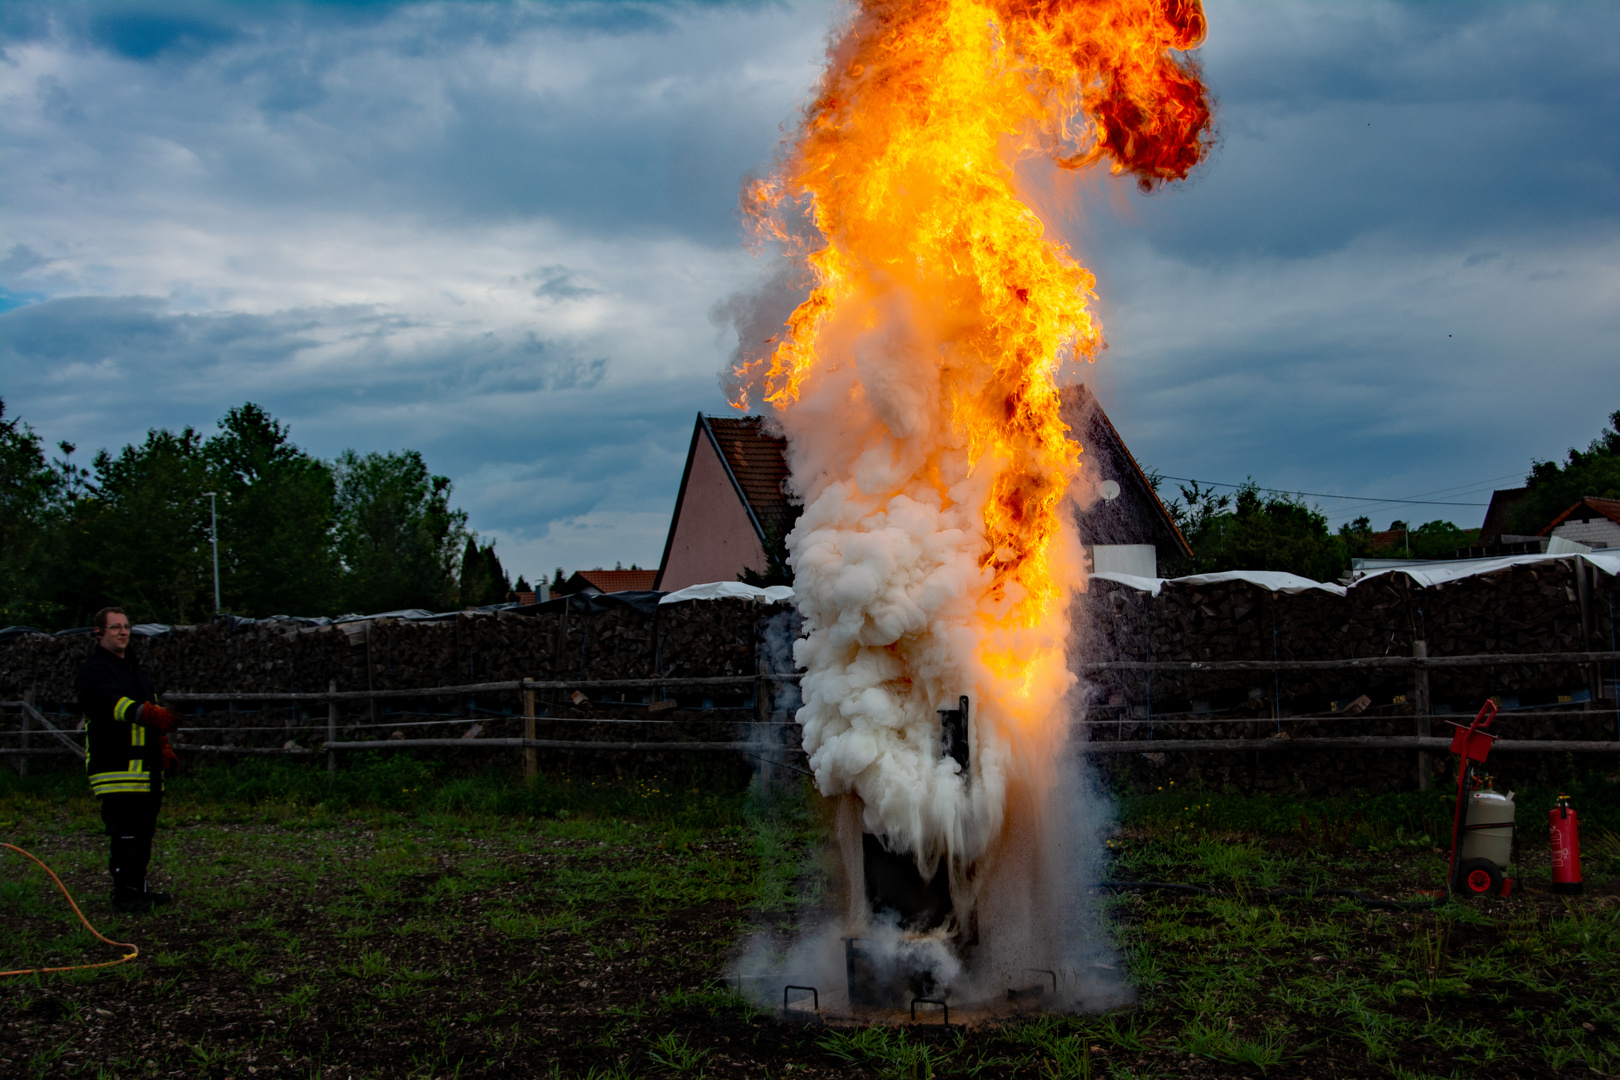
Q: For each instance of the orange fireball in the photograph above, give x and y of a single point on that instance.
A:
(917, 386)
(906, 161)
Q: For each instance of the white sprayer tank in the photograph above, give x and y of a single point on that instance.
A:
(1489, 827)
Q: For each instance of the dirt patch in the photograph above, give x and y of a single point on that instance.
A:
(494, 949)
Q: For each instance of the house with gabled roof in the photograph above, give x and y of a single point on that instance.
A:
(1593, 521)
(1127, 529)
(599, 582)
(732, 513)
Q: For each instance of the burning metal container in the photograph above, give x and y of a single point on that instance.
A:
(897, 892)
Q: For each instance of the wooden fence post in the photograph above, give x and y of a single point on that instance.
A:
(1585, 583)
(1420, 700)
(762, 734)
(528, 733)
(27, 724)
(331, 728)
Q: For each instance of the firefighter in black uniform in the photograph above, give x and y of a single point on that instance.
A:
(128, 752)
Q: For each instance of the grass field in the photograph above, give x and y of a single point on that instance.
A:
(397, 924)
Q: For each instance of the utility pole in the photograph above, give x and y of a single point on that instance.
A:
(213, 535)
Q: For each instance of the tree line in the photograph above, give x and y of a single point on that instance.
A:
(1253, 529)
(376, 532)
(297, 535)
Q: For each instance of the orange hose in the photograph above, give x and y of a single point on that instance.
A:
(135, 950)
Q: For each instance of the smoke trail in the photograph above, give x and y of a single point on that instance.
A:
(915, 383)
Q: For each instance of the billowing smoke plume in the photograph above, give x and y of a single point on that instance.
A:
(915, 383)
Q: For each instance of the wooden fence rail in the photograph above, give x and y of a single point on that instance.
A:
(529, 744)
(1354, 663)
(483, 688)
(1127, 746)
(1373, 742)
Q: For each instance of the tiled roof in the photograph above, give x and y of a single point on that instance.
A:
(1389, 538)
(756, 459)
(620, 580)
(1609, 508)
(1138, 515)
(1499, 515)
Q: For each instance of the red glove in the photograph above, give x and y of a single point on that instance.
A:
(171, 760)
(156, 716)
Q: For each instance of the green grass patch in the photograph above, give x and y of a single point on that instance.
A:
(402, 923)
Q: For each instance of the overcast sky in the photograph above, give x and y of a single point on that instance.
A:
(496, 232)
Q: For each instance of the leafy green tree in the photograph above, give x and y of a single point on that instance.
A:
(1357, 537)
(1197, 508)
(1434, 540)
(482, 581)
(1552, 488)
(397, 537)
(1253, 530)
(32, 496)
(142, 532)
(1439, 540)
(277, 510)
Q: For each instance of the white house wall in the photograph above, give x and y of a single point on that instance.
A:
(1597, 532)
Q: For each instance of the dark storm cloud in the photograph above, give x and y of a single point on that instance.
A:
(390, 108)
(1438, 120)
(1390, 278)
(109, 353)
(246, 162)
(495, 232)
(143, 35)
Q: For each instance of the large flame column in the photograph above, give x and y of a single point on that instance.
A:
(916, 384)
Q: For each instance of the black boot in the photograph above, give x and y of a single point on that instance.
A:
(131, 901)
(158, 899)
(128, 868)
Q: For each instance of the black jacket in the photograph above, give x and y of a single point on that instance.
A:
(124, 756)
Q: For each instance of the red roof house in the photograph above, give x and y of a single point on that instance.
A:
(597, 582)
(732, 513)
(1593, 521)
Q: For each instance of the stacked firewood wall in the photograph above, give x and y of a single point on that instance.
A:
(693, 639)
(1520, 609)
(1551, 606)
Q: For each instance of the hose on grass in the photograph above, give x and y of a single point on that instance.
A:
(134, 950)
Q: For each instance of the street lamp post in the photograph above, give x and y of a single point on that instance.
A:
(213, 535)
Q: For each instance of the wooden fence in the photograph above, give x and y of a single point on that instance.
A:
(1422, 741)
(71, 739)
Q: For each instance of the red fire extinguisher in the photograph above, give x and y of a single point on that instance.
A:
(1566, 847)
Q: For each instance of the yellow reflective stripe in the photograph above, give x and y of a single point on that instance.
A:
(137, 735)
(102, 783)
(122, 708)
(121, 789)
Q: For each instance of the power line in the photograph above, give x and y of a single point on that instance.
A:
(1322, 495)
(1457, 489)
(1463, 489)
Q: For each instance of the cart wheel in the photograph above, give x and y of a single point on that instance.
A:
(1479, 877)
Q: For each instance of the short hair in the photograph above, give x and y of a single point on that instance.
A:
(100, 621)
